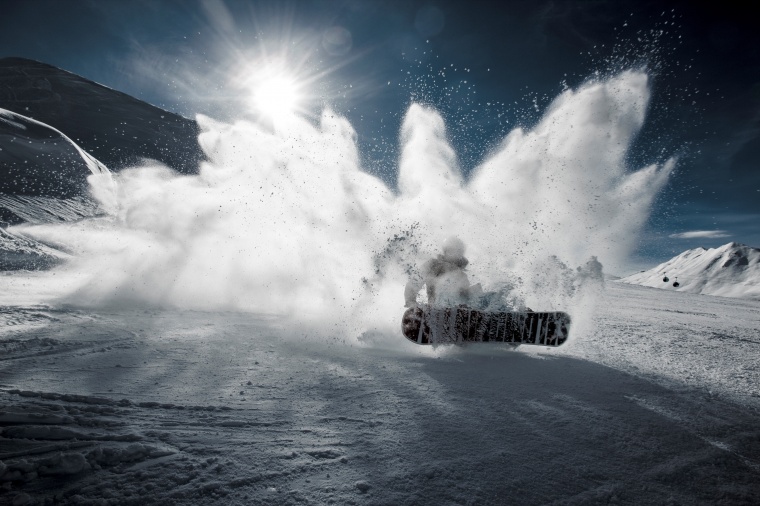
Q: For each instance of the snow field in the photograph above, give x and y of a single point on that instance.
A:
(184, 407)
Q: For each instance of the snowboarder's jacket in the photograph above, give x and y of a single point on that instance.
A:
(445, 280)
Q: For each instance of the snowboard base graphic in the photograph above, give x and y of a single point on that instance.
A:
(454, 325)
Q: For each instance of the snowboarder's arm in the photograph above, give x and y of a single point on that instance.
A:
(413, 287)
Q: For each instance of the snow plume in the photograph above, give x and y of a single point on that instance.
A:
(283, 220)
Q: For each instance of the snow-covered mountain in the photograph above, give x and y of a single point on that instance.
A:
(43, 178)
(57, 129)
(114, 127)
(39, 160)
(733, 270)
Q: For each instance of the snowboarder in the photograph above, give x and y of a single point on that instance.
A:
(444, 278)
(457, 312)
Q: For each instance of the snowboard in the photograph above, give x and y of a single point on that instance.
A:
(462, 324)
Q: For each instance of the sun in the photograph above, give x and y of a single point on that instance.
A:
(276, 96)
(275, 86)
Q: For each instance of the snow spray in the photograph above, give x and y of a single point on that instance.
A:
(282, 219)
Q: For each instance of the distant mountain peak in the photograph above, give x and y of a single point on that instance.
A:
(731, 270)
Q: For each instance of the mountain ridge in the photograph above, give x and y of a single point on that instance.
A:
(731, 270)
(116, 128)
(39, 160)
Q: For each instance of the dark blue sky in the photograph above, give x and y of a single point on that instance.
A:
(502, 58)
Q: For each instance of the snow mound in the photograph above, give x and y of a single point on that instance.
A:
(15, 209)
(732, 270)
(22, 253)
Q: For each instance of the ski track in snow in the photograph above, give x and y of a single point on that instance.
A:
(657, 405)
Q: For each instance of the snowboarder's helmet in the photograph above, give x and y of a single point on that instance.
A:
(453, 248)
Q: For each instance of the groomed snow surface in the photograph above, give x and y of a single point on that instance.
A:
(657, 405)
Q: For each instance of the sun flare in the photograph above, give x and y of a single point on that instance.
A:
(276, 96)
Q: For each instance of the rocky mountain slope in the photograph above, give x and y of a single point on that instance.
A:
(114, 127)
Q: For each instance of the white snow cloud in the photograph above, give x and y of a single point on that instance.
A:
(284, 219)
(701, 234)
